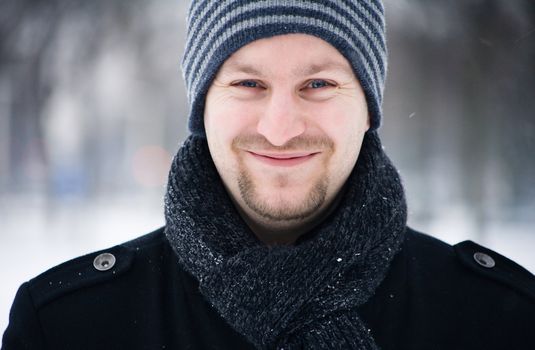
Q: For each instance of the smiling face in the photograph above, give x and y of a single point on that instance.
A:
(284, 119)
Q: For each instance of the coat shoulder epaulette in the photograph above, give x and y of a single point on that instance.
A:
(88, 270)
(488, 263)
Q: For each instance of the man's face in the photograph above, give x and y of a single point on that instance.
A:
(284, 119)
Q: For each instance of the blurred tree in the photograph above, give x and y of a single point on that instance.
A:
(464, 71)
(60, 53)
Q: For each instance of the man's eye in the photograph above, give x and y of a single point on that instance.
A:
(317, 84)
(248, 84)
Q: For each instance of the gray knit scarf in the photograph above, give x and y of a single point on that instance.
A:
(288, 297)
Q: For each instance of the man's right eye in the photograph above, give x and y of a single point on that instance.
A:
(248, 84)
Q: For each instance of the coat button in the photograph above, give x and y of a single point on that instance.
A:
(484, 260)
(104, 261)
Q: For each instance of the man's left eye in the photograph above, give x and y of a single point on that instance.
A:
(316, 84)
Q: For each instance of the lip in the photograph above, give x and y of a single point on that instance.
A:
(283, 159)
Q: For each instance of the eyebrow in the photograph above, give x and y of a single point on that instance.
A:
(241, 67)
(324, 66)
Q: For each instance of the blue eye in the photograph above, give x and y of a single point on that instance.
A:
(248, 84)
(316, 84)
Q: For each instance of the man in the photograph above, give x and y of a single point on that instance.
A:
(285, 220)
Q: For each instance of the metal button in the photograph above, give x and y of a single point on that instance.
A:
(484, 260)
(104, 261)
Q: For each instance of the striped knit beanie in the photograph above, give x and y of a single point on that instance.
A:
(218, 28)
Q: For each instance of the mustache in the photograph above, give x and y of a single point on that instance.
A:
(301, 142)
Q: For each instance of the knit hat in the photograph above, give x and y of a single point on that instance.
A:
(218, 28)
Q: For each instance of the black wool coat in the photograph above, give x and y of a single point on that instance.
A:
(435, 296)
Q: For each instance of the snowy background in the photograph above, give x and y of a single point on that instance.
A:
(92, 109)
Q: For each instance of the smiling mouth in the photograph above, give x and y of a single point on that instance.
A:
(283, 160)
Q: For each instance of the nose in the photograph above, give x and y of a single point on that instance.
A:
(282, 119)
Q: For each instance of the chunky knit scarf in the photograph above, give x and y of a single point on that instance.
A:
(288, 297)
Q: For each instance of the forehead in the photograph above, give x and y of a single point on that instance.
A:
(297, 54)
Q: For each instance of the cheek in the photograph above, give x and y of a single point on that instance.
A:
(342, 122)
(223, 122)
(345, 124)
(228, 120)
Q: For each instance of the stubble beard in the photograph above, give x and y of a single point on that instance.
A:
(281, 210)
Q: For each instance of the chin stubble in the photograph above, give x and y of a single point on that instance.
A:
(283, 210)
